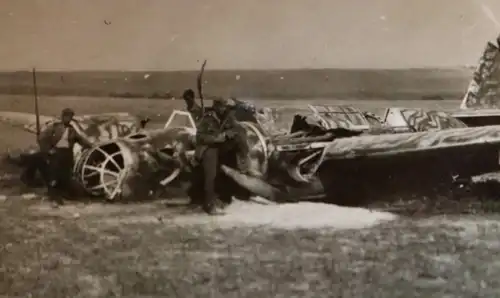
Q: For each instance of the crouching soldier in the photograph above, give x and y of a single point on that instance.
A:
(235, 152)
(57, 142)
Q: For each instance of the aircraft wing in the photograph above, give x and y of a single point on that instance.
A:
(26, 121)
(107, 125)
(411, 143)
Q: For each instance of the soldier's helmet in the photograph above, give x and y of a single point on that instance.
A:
(219, 102)
(68, 112)
(188, 93)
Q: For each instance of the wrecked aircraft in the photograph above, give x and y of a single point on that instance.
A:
(122, 144)
(129, 161)
(334, 153)
(351, 168)
(325, 152)
(426, 152)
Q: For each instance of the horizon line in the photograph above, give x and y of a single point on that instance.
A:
(245, 69)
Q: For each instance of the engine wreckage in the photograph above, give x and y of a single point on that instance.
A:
(333, 153)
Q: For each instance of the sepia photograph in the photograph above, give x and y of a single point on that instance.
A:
(249, 148)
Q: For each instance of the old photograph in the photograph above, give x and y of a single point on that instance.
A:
(249, 148)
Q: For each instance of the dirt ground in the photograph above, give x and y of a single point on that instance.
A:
(137, 250)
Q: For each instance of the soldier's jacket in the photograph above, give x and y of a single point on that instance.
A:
(54, 132)
(196, 112)
(211, 127)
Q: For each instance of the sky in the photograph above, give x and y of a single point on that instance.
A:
(244, 34)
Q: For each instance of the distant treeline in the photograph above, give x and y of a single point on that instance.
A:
(325, 83)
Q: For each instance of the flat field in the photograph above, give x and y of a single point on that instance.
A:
(393, 84)
(152, 250)
(160, 109)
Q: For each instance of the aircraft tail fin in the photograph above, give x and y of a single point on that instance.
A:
(484, 89)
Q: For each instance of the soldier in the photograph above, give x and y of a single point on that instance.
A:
(57, 141)
(213, 132)
(235, 151)
(191, 104)
(242, 110)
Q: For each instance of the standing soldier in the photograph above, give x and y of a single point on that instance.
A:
(212, 134)
(57, 141)
(193, 108)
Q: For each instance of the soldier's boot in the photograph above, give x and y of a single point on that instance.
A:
(54, 194)
(213, 209)
(55, 199)
(224, 202)
(213, 206)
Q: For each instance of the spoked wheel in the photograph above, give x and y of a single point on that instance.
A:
(102, 170)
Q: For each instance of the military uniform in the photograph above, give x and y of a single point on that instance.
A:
(218, 134)
(196, 112)
(234, 153)
(57, 142)
(209, 138)
(192, 107)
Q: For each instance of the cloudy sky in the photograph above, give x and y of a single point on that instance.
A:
(249, 34)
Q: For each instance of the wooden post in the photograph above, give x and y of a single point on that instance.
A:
(37, 113)
(199, 83)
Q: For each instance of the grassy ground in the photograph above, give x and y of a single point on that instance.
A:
(134, 251)
(138, 250)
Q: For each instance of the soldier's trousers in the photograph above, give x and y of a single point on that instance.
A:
(208, 180)
(203, 184)
(61, 173)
